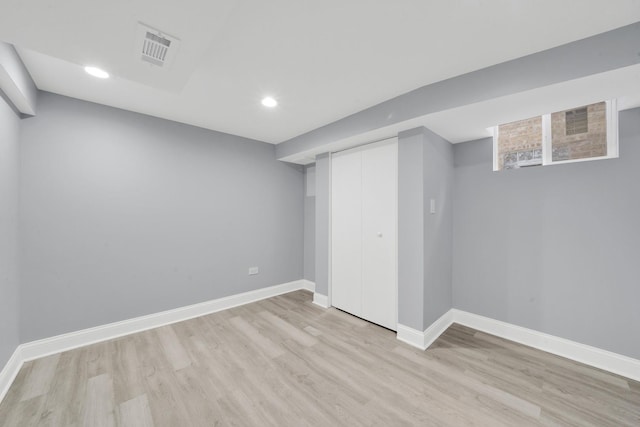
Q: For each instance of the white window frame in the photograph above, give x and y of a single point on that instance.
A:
(496, 157)
(547, 148)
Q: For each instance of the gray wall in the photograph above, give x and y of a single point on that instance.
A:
(411, 228)
(309, 223)
(425, 172)
(9, 298)
(124, 215)
(322, 219)
(438, 227)
(553, 248)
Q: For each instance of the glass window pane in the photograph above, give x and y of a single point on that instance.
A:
(520, 144)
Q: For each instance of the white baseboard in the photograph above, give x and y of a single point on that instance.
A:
(593, 356)
(321, 300)
(9, 372)
(410, 336)
(437, 328)
(308, 285)
(423, 339)
(57, 344)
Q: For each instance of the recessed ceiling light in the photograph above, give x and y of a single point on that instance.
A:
(97, 72)
(269, 102)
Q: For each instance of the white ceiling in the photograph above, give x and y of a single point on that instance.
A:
(322, 60)
(474, 121)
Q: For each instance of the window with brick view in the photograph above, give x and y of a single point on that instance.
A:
(582, 133)
(579, 133)
(520, 144)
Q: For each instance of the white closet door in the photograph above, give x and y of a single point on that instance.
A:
(346, 232)
(379, 211)
(364, 210)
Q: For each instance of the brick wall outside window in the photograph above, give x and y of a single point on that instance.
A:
(519, 139)
(583, 145)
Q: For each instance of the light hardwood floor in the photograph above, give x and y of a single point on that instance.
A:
(284, 361)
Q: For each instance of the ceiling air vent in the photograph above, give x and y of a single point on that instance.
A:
(155, 47)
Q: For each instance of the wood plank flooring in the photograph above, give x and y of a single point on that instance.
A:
(284, 361)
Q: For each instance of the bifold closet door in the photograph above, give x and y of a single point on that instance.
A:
(379, 210)
(346, 232)
(364, 211)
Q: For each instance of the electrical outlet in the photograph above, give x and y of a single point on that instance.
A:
(253, 270)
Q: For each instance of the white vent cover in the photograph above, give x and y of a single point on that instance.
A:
(155, 47)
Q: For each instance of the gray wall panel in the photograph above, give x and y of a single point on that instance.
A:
(322, 221)
(438, 227)
(552, 248)
(125, 215)
(411, 229)
(309, 226)
(9, 275)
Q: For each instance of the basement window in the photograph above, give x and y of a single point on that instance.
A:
(588, 132)
(520, 144)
